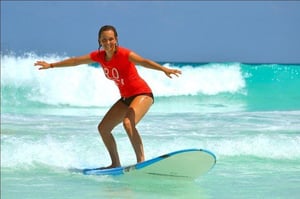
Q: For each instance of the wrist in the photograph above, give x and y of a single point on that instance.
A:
(164, 69)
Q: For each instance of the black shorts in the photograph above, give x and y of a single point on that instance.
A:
(128, 100)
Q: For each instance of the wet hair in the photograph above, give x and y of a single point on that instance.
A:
(105, 28)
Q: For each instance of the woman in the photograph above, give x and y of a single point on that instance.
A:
(118, 64)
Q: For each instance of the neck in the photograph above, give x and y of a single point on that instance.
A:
(109, 54)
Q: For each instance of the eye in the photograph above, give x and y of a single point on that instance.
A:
(104, 40)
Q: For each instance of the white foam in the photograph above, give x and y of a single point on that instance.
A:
(74, 151)
(274, 147)
(208, 80)
(87, 86)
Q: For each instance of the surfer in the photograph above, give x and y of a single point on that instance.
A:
(118, 64)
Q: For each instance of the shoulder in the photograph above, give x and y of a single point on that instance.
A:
(123, 50)
(96, 55)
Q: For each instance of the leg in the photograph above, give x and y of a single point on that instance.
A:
(137, 109)
(112, 118)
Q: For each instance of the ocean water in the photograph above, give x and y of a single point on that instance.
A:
(248, 115)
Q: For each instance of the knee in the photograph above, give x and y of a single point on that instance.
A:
(127, 124)
(102, 130)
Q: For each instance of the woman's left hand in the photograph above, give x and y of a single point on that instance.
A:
(170, 72)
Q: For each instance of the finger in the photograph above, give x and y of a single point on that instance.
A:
(168, 75)
(39, 63)
(42, 68)
(177, 71)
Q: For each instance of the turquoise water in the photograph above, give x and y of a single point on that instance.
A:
(247, 114)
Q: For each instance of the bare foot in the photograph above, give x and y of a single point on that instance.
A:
(109, 167)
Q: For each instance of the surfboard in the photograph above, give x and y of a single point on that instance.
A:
(187, 163)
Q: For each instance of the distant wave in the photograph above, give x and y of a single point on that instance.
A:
(85, 86)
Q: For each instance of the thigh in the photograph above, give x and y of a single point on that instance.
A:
(114, 116)
(139, 107)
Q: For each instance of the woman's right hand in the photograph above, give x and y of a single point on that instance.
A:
(43, 64)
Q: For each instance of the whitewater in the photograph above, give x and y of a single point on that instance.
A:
(248, 115)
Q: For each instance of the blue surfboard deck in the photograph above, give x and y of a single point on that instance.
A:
(187, 163)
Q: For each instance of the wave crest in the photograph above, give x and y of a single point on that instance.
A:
(87, 86)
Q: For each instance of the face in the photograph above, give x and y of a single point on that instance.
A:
(108, 40)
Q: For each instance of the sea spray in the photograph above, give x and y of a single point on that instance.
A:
(87, 86)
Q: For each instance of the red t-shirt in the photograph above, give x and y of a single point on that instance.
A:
(122, 72)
